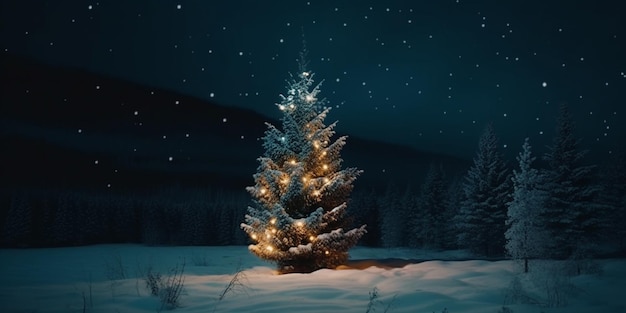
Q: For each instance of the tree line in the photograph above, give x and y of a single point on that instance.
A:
(171, 216)
(561, 208)
(565, 208)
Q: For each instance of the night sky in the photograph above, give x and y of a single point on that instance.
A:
(427, 74)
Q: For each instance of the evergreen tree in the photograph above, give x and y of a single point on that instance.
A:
(572, 214)
(300, 190)
(364, 208)
(18, 225)
(525, 235)
(613, 179)
(393, 219)
(430, 226)
(454, 197)
(486, 191)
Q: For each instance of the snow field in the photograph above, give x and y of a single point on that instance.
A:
(66, 279)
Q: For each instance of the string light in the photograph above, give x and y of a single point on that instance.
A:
(316, 193)
(273, 221)
(270, 248)
(293, 161)
(299, 223)
(326, 180)
(254, 236)
(326, 252)
(325, 167)
(273, 230)
(263, 191)
(311, 238)
(316, 144)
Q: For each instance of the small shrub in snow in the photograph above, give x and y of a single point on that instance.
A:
(153, 281)
(168, 288)
(236, 284)
(374, 301)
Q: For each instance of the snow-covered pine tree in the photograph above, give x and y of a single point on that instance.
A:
(525, 236)
(573, 214)
(300, 190)
(483, 210)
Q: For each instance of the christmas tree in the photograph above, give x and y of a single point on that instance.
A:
(301, 192)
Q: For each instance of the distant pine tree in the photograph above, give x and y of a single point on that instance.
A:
(573, 213)
(430, 226)
(392, 218)
(483, 210)
(613, 180)
(18, 226)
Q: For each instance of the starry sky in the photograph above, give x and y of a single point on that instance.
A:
(426, 74)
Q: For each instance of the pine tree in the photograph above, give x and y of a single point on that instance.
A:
(486, 191)
(393, 219)
(613, 179)
(454, 197)
(300, 190)
(18, 227)
(525, 236)
(572, 210)
(431, 225)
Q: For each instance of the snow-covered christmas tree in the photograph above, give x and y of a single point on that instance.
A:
(300, 190)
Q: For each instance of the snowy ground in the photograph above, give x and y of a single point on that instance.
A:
(107, 278)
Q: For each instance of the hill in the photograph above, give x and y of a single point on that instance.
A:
(69, 128)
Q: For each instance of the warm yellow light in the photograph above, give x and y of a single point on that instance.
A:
(263, 191)
(292, 106)
(326, 252)
(316, 144)
(325, 167)
(326, 179)
(292, 161)
(311, 238)
(323, 152)
(309, 98)
(267, 236)
(299, 224)
(304, 179)
(253, 236)
(284, 181)
(273, 221)
(270, 248)
(316, 193)
(273, 230)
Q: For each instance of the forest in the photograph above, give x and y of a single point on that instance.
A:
(559, 203)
